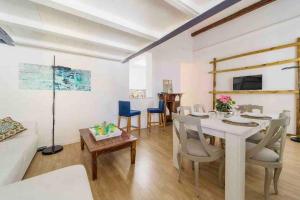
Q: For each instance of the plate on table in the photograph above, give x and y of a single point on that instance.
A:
(240, 122)
(250, 115)
(199, 114)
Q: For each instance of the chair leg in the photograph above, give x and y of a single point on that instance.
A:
(212, 140)
(164, 119)
(139, 124)
(147, 119)
(119, 121)
(221, 172)
(277, 173)
(268, 180)
(159, 119)
(150, 122)
(179, 160)
(196, 166)
(222, 141)
(128, 125)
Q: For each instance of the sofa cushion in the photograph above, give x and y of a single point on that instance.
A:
(17, 153)
(63, 184)
(9, 128)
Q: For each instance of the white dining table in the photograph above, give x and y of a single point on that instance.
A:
(235, 150)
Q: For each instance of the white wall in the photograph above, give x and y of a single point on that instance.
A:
(275, 24)
(168, 58)
(74, 109)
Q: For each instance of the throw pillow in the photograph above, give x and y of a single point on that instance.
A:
(9, 128)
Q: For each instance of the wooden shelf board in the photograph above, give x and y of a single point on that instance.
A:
(257, 66)
(258, 51)
(256, 92)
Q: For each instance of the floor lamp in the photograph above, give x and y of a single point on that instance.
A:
(53, 149)
(297, 137)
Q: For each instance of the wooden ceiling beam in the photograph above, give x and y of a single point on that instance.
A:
(235, 15)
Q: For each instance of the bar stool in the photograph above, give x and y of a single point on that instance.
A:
(162, 116)
(125, 111)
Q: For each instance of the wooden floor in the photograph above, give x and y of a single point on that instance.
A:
(153, 177)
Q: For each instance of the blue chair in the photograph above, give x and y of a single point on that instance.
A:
(161, 113)
(125, 111)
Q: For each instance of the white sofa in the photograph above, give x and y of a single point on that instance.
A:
(69, 183)
(16, 154)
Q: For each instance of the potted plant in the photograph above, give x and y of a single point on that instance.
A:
(224, 104)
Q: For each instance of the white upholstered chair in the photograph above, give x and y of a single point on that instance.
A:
(259, 136)
(260, 154)
(199, 108)
(250, 108)
(196, 150)
(184, 110)
(187, 110)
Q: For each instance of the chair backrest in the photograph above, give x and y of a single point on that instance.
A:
(183, 124)
(250, 108)
(286, 114)
(199, 108)
(161, 105)
(124, 108)
(276, 132)
(184, 110)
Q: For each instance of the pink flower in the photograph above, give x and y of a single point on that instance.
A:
(224, 99)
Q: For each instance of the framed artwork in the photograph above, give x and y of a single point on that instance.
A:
(39, 77)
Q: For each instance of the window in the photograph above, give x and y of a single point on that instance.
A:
(140, 76)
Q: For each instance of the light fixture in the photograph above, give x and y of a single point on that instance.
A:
(53, 149)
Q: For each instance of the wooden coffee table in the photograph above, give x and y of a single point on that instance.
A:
(105, 146)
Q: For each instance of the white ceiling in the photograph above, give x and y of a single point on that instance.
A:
(110, 29)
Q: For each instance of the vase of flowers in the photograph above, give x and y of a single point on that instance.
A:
(224, 104)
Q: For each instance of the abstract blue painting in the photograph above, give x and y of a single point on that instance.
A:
(39, 77)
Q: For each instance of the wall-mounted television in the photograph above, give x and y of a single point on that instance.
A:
(247, 82)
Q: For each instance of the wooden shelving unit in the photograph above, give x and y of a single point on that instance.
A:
(296, 60)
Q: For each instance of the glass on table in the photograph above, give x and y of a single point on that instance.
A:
(236, 111)
(212, 114)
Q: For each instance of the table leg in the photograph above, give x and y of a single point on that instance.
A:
(94, 165)
(133, 152)
(81, 143)
(235, 167)
(175, 147)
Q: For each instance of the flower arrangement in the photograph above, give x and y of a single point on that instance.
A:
(224, 103)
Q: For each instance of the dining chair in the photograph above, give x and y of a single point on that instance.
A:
(187, 110)
(184, 110)
(160, 111)
(125, 111)
(256, 138)
(250, 108)
(199, 108)
(259, 154)
(196, 150)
